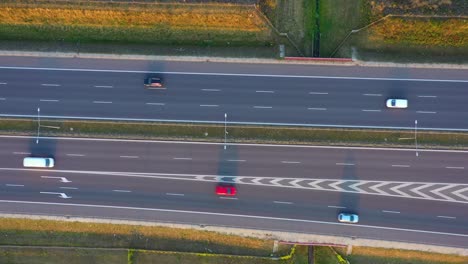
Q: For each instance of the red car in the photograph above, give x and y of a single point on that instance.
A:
(154, 83)
(226, 190)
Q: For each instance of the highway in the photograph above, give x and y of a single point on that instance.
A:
(343, 96)
(398, 196)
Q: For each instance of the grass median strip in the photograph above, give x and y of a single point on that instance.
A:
(237, 134)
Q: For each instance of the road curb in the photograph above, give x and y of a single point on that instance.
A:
(263, 234)
(288, 60)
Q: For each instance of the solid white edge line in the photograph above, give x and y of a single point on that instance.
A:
(235, 144)
(231, 215)
(234, 122)
(237, 74)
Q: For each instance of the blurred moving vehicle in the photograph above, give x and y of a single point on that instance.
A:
(397, 103)
(37, 162)
(348, 218)
(154, 83)
(226, 190)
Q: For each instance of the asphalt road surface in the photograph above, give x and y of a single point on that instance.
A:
(344, 96)
(398, 196)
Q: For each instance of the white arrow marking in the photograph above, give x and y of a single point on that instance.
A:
(335, 185)
(62, 179)
(438, 191)
(458, 193)
(61, 195)
(396, 189)
(315, 183)
(376, 189)
(416, 191)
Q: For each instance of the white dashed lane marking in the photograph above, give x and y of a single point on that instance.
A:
(280, 202)
(263, 107)
(290, 162)
(175, 194)
(102, 102)
(182, 158)
(401, 166)
(427, 96)
(155, 103)
(50, 84)
(372, 94)
(2, 99)
(48, 100)
(103, 86)
(14, 185)
(209, 105)
(75, 155)
(456, 168)
(228, 198)
(265, 91)
(237, 160)
(317, 93)
(129, 157)
(446, 217)
(371, 110)
(211, 90)
(425, 112)
(334, 206)
(345, 164)
(69, 188)
(390, 212)
(3, 83)
(21, 153)
(123, 191)
(316, 108)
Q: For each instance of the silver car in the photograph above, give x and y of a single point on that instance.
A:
(348, 218)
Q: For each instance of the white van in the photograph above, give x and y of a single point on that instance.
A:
(38, 162)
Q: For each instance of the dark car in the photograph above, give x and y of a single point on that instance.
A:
(154, 83)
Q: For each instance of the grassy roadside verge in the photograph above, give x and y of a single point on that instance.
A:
(49, 233)
(369, 255)
(237, 134)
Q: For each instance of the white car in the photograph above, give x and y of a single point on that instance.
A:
(348, 218)
(37, 162)
(397, 103)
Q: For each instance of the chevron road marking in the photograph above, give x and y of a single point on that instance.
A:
(355, 186)
(294, 182)
(315, 183)
(275, 181)
(376, 188)
(438, 192)
(396, 189)
(458, 193)
(335, 185)
(417, 190)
